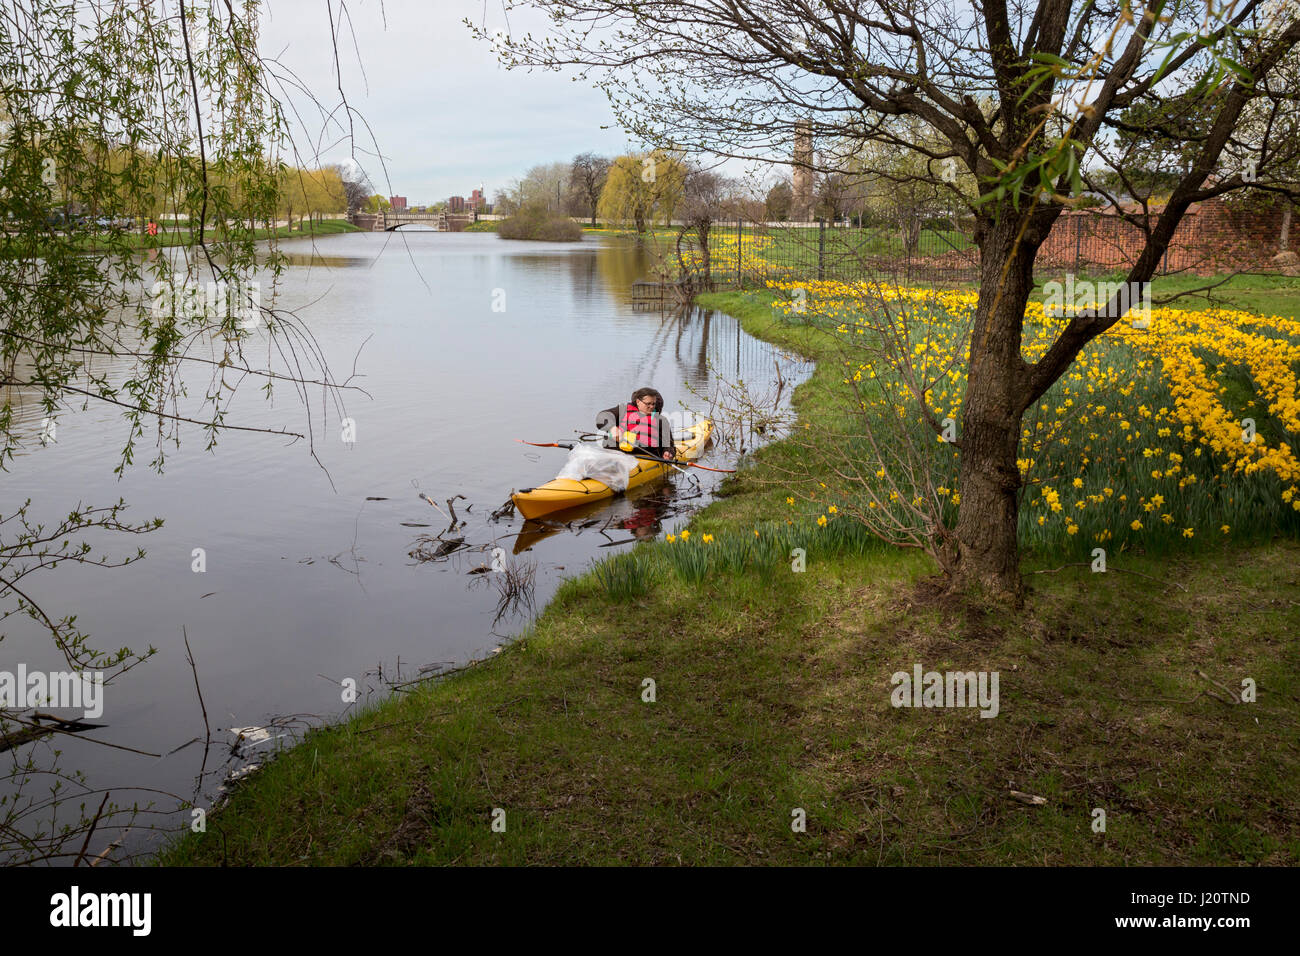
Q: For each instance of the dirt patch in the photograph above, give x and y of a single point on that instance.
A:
(959, 619)
(419, 817)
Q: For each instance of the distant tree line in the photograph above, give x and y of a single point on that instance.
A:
(876, 185)
(145, 187)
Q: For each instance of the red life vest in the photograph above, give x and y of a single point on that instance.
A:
(643, 427)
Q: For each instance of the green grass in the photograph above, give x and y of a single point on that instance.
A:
(771, 699)
(124, 242)
(625, 576)
(1263, 294)
(771, 693)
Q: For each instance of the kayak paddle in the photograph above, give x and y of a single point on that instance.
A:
(646, 457)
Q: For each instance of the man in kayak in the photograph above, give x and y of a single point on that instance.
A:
(640, 422)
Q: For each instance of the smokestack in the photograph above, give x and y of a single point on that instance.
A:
(802, 208)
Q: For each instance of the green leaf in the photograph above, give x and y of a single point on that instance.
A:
(1045, 57)
(1246, 76)
(1032, 86)
(1173, 52)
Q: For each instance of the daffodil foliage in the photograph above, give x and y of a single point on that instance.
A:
(1161, 433)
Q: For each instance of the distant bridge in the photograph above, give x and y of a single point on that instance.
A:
(390, 221)
(445, 222)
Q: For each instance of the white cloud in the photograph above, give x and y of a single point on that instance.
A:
(445, 114)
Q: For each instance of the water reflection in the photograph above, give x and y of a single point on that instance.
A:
(316, 259)
(308, 573)
(642, 512)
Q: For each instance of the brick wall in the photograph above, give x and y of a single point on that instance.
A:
(1212, 237)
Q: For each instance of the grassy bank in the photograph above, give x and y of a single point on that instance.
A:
(127, 241)
(772, 699)
(184, 237)
(491, 225)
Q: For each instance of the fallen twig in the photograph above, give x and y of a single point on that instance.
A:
(1231, 693)
(435, 675)
(91, 832)
(1030, 799)
(435, 504)
(207, 729)
(1085, 564)
(110, 848)
(452, 508)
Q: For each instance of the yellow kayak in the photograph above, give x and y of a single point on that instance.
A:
(560, 493)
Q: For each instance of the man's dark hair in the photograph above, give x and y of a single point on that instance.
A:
(641, 393)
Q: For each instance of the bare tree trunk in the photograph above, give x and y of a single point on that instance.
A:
(987, 554)
(1285, 238)
(911, 229)
(687, 277)
(702, 229)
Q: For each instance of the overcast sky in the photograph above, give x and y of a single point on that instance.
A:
(446, 116)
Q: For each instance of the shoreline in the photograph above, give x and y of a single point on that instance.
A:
(141, 242)
(771, 699)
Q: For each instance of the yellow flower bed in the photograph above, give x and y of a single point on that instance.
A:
(1136, 404)
(723, 254)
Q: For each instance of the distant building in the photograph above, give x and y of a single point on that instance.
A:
(398, 203)
(802, 207)
(477, 200)
(456, 204)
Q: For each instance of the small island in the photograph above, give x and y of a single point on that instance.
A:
(535, 221)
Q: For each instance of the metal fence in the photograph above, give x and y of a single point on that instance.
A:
(746, 254)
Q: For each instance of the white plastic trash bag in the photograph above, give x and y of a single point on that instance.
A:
(612, 468)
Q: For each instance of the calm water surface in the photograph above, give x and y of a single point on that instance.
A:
(307, 581)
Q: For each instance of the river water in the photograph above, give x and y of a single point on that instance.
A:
(464, 343)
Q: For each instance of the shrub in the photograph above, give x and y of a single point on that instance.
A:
(535, 221)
